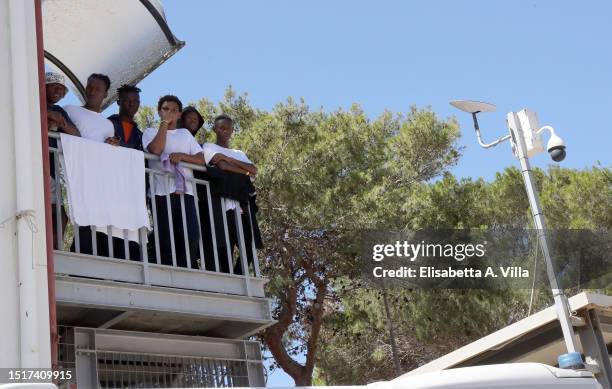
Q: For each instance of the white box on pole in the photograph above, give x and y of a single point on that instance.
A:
(528, 125)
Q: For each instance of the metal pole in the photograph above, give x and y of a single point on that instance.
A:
(561, 303)
(47, 193)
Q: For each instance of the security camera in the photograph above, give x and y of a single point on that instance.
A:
(556, 148)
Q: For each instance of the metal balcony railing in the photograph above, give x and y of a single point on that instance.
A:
(95, 360)
(207, 259)
(128, 370)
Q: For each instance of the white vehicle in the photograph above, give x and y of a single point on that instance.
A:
(506, 376)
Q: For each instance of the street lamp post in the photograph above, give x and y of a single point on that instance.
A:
(526, 141)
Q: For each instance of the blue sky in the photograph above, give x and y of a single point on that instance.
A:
(552, 56)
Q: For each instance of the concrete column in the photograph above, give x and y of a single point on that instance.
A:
(22, 238)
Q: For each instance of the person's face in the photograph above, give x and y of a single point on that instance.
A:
(191, 121)
(55, 92)
(169, 111)
(95, 91)
(224, 129)
(129, 102)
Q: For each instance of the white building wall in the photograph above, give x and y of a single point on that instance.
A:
(24, 164)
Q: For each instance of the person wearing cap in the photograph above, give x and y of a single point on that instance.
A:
(126, 129)
(57, 117)
(191, 120)
(57, 120)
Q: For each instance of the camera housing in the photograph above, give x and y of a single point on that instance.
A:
(556, 148)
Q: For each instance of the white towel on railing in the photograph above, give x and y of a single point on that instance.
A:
(106, 185)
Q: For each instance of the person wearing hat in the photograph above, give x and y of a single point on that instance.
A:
(192, 120)
(57, 117)
(57, 120)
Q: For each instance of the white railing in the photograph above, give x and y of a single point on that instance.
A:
(207, 257)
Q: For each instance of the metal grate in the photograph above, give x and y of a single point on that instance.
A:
(136, 370)
(66, 354)
(66, 347)
(127, 370)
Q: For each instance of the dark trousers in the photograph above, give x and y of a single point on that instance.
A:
(102, 245)
(163, 230)
(232, 232)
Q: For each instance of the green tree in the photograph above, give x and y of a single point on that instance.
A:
(322, 175)
(145, 117)
(325, 175)
(355, 340)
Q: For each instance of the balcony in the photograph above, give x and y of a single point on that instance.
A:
(152, 293)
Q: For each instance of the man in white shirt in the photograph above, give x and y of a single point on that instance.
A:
(219, 154)
(88, 119)
(94, 126)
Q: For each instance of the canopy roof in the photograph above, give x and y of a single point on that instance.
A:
(536, 338)
(124, 39)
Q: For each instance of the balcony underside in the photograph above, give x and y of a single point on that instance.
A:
(88, 302)
(135, 296)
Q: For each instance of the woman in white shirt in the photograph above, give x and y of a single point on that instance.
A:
(175, 145)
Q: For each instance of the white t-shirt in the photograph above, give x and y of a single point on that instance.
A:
(92, 125)
(210, 149)
(177, 141)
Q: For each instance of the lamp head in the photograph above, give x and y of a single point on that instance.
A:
(471, 106)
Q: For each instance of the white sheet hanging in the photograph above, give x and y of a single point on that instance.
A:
(106, 186)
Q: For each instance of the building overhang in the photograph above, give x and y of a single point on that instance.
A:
(125, 40)
(537, 338)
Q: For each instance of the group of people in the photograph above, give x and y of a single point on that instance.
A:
(229, 174)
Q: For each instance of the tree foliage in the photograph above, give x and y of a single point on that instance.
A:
(324, 176)
(321, 177)
(355, 341)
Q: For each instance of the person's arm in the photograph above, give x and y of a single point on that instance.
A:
(228, 167)
(224, 163)
(196, 159)
(52, 124)
(60, 121)
(70, 129)
(55, 117)
(158, 143)
(67, 125)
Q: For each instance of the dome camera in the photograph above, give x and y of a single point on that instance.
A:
(556, 148)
